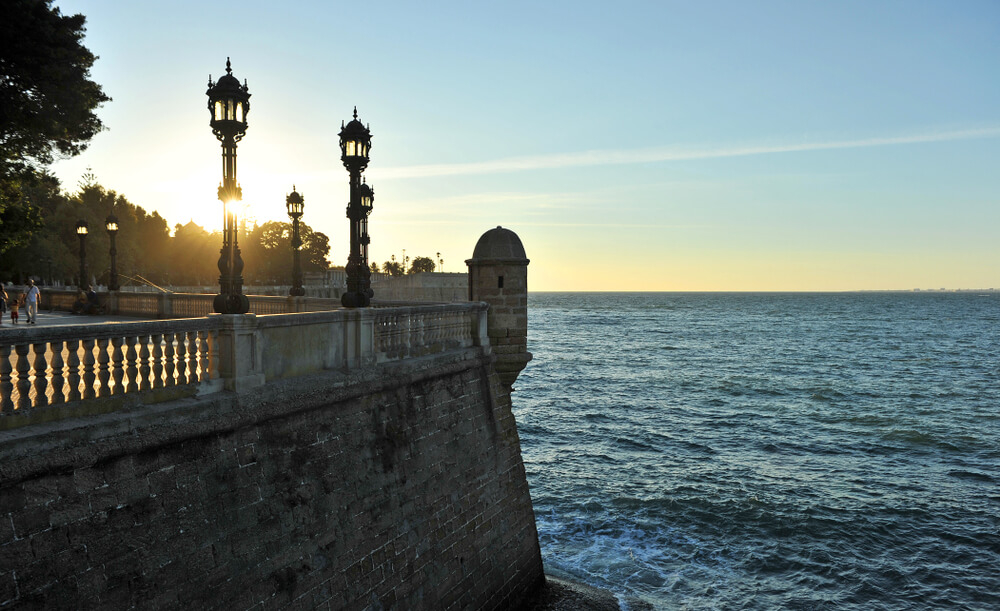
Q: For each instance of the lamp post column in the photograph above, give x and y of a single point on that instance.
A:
(229, 103)
(112, 226)
(355, 143)
(81, 230)
(295, 204)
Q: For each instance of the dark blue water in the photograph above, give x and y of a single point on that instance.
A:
(764, 451)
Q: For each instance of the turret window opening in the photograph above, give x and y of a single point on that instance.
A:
(499, 282)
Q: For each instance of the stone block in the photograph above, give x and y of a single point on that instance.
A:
(30, 521)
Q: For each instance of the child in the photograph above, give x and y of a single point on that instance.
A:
(13, 310)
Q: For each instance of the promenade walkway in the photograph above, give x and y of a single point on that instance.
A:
(64, 319)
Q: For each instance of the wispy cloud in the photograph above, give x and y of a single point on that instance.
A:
(650, 155)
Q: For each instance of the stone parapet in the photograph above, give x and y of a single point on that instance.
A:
(394, 486)
(65, 372)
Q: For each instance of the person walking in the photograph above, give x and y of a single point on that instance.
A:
(34, 295)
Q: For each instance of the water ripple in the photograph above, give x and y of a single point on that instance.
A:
(759, 451)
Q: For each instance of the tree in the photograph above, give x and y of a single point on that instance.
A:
(374, 267)
(392, 268)
(422, 264)
(267, 252)
(194, 255)
(46, 94)
(47, 104)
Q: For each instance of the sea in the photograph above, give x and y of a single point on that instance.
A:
(767, 450)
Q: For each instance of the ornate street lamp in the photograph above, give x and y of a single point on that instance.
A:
(81, 230)
(355, 143)
(229, 103)
(295, 205)
(111, 223)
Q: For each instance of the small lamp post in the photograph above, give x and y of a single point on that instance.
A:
(111, 224)
(228, 104)
(355, 143)
(295, 205)
(81, 230)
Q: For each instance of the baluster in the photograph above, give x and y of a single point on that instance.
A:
(433, 333)
(417, 336)
(193, 373)
(73, 346)
(23, 385)
(41, 374)
(181, 357)
(213, 353)
(57, 372)
(103, 371)
(118, 368)
(157, 360)
(144, 362)
(89, 370)
(131, 367)
(168, 359)
(6, 386)
(407, 336)
(203, 350)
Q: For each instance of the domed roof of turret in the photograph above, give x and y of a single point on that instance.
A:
(500, 245)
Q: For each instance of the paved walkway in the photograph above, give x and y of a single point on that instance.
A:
(63, 319)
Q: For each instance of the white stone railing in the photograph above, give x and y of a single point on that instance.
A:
(62, 372)
(73, 365)
(411, 331)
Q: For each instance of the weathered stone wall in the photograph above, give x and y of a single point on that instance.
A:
(425, 286)
(400, 487)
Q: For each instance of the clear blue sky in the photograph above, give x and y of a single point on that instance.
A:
(631, 145)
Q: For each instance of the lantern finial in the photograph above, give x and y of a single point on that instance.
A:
(229, 68)
(355, 112)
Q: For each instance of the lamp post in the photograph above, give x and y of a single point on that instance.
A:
(81, 230)
(295, 205)
(355, 142)
(111, 223)
(229, 103)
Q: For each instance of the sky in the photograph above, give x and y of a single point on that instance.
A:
(633, 146)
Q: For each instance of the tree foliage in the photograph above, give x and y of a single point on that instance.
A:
(268, 252)
(47, 107)
(392, 268)
(422, 264)
(146, 252)
(46, 95)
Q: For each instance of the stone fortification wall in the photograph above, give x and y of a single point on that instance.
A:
(426, 286)
(398, 487)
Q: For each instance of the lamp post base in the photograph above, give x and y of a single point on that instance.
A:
(355, 300)
(231, 304)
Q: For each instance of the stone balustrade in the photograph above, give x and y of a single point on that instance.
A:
(61, 372)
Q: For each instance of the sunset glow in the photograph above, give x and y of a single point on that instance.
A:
(663, 146)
